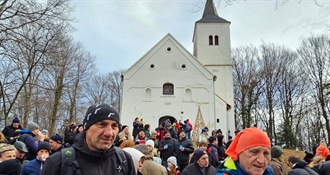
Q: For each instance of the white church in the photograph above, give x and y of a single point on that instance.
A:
(169, 82)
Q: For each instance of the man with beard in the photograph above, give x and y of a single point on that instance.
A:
(94, 148)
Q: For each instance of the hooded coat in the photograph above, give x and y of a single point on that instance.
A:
(150, 167)
(91, 162)
(301, 168)
(136, 155)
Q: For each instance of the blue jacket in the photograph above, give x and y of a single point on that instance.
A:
(31, 144)
(213, 150)
(232, 167)
(32, 167)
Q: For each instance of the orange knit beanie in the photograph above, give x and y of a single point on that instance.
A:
(323, 151)
(246, 139)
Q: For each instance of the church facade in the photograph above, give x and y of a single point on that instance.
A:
(168, 82)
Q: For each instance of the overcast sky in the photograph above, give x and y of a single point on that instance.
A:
(119, 32)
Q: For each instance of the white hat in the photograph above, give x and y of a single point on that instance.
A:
(136, 155)
(151, 143)
(172, 159)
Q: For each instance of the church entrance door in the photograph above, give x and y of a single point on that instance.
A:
(164, 118)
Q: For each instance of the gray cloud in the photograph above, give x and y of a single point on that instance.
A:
(120, 32)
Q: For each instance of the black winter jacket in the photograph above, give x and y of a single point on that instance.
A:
(183, 156)
(172, 149)
(301, 168)
(136, 128)
(91, 162)
(323, 169)
(9, 131)
(194, 169)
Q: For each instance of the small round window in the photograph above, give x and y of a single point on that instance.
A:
(169, 49)
(183, 66)
(152, 66)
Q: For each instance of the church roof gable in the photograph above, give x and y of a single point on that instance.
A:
(149, 55)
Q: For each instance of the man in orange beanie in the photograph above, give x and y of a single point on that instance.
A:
(248, 154)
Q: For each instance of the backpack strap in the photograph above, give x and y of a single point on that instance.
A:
(22, 137)
(70, 166)
(121, 160)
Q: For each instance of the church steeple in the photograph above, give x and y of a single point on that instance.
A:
(210, 14)
(210, 9)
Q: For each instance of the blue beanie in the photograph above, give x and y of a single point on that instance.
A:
(199, 153)
(16, 120)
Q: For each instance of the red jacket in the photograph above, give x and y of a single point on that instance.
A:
(190, 124)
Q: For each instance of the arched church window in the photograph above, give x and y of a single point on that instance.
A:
(187, 95)
(147, 95)
(168, 89)
(216, 40)
(210, 40)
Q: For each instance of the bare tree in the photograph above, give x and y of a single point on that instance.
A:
(82, 70)
(291, 91)
(97, 90)
(247, 85)
(199, 4)
(271, 62)
(115, 87)
(26, 30)
(15, 14)
(68, 66)
(315, 60)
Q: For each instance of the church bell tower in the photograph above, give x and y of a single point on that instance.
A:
(212, 48)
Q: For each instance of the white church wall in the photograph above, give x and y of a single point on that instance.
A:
(220, 113)
(143, 93)
(174, 106)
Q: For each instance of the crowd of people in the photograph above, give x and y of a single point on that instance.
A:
(101, 145)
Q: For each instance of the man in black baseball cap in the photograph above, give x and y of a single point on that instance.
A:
(94, 146)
